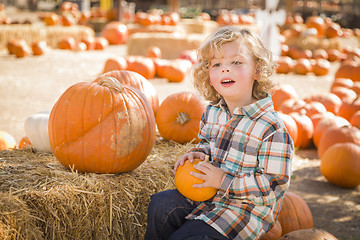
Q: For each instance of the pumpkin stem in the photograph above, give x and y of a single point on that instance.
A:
(182, 118)
(111, 82)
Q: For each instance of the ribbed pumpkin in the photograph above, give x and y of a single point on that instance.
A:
(184, 183)
(309, 234)
(179, 116)
(338, 135)
(340, 165)
(102, 127)
(294, 214)
(7, 141)
(137, 81)
(305, 130)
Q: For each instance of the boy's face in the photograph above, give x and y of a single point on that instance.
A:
(232, 73)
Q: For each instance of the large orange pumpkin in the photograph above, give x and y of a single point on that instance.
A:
(355, 119)
(179, 116)
(115, 32)
(184, 182)
(137, 81)
(340, 165)
(290, 125)
(347, 109)
(7, 141)
(338, 135)
(331, 102)
(102, 127)
(143, 65)
(294, 214)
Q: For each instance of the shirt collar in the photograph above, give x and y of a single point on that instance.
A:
(252, 111)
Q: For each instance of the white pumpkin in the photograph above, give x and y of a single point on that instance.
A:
(36, 129)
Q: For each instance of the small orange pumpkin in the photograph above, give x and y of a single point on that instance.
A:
(102, 127)
(305, 129)
(340, 165)
(115, 32)
(101, 43)
(290, 125)
(153, 52)
(282, 92)
(118, 63)
(184, 182)
(355, 119)
(39, 47)
(179, 116)
(143, 65)
(24, 143)
(331, 102)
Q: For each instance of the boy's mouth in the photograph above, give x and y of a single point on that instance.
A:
(226, 82)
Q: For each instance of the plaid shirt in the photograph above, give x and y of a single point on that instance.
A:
(255, 150)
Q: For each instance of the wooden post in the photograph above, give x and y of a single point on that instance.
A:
(173, 5)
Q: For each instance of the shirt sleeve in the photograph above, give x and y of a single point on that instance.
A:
(204, 134)
(271, 179)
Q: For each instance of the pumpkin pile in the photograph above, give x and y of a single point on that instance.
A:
(310, 46)
(152, 65)
(329, 122)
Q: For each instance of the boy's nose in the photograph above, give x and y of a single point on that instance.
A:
(226, 70)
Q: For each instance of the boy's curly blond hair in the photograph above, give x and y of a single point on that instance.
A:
(265, 66)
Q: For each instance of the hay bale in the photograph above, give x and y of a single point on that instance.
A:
(138, 28)
(51, 34)
(199, 26)
(170, 44)
(65, 204)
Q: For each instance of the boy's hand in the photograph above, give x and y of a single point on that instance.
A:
(189, 156)
(211, 175)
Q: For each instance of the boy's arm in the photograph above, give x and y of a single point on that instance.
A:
(204, 133)
(272, 177)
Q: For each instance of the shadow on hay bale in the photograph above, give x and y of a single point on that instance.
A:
(54, 203)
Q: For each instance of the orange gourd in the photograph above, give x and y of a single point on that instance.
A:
(331, 102)
(39, 47)
(101, 43)
(67, 43)
(290, 125)
(24, 143)
(325, 123)
(285, 64)
(303, 66)
(321, 67)
(118, 63)
(340, 165)
(184, 182)
(7, 141)
(347, 109)
(317, 23)
(101, 126)
(282, 92)
(143, 65)
(355, 119)
(316, 118)
(305, 129)
(179, 116)
(137, 81)
(115, 32)
(176, 70)
(294, 214)
(349, 69)
(153, 52)
(336, 135)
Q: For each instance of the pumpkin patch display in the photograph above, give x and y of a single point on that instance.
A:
(179, 116)
(184, 182)
(294, 214)
(137, 81)
(102, 126)
(7, 141)
(36, 129)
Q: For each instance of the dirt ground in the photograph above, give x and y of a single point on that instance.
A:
(34, 83)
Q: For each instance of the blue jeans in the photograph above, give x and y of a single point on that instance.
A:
(166, 219)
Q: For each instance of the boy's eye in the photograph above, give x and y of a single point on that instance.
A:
(216, 65)
(236, 62)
